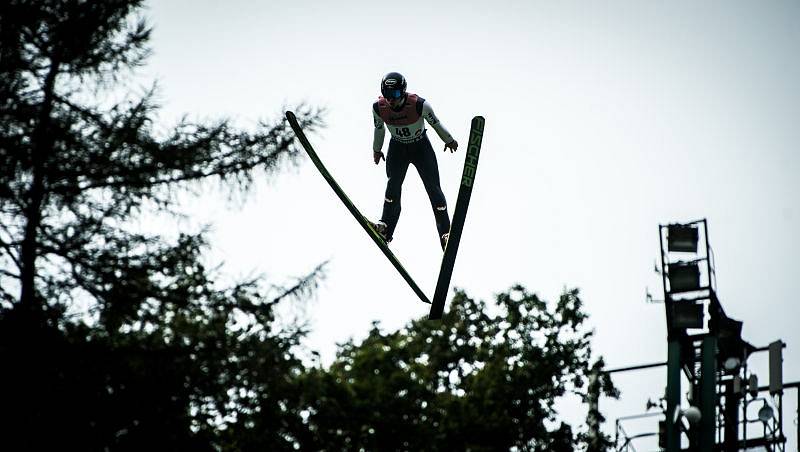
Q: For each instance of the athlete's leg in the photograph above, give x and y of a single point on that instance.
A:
(396, 167)
(428, 169)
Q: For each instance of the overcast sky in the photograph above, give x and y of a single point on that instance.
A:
(603, 120)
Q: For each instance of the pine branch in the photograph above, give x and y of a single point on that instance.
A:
(304, 285)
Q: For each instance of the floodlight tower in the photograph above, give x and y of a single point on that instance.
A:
(707, 346)
(700, 336)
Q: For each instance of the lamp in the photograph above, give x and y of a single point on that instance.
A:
(683, 276)
(731, 364)
(765, 413)
(687, 314)
(682, 238)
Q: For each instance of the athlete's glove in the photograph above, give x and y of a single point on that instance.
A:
(377, 156)
(453, 145)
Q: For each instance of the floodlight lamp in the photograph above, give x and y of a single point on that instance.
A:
(732, 363)
(682, 238)
(687, 314)
(683, 276)
(765, 413)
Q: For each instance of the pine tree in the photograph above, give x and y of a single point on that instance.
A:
(151, 352)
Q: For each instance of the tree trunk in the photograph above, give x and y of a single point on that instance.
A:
(42, 146)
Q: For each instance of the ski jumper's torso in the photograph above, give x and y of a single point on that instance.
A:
(407, 124)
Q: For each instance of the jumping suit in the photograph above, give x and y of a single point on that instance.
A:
(409, 144)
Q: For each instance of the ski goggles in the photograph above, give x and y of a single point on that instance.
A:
(393, 94)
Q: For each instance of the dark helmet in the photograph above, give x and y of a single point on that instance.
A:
(393, 85)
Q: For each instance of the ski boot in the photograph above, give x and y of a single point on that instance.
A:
(381, 228)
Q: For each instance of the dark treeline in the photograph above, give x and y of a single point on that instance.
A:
(112, 338)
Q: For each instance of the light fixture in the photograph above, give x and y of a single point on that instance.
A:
(732, 363)
(765, 413)
(682, 238)
(687, 314)
(683, 276)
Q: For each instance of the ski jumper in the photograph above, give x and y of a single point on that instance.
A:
(409, 144)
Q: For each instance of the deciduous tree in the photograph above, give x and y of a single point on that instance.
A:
(481, 379)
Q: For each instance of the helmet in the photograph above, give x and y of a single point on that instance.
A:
(393, 85)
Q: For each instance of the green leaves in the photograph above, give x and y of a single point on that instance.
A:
(484, 378)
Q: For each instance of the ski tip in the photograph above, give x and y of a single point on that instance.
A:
(290, 114)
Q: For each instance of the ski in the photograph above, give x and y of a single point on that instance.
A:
(459, 214)
(298, 131)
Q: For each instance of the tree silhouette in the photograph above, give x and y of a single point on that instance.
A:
(115, 338)
(111, 336)
(477, 380)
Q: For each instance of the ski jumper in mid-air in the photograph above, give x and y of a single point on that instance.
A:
(404, 115)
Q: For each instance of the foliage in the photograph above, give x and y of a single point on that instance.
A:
(114, 338)
(111, 336)
(477, 380)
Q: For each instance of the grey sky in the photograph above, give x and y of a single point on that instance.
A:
(603, 119)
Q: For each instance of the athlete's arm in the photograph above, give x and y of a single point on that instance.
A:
(380, 132)
(430, 116)
(377, 139)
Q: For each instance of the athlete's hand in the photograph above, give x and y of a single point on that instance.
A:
(377, 156)
(453, 145)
